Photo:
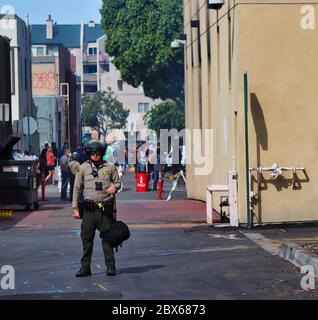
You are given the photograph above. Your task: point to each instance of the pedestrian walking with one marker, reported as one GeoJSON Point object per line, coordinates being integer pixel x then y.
{"type": "Point", "coordinates": [99, 182]}
{"type": "Point", "coordinates": [50, 160]}
{"type": "Point", "coordinates": [65, 172]}
{"type": "Point", "coordinates": [56, 152]}
{"type": "Point", "coordinates": [42, 160]}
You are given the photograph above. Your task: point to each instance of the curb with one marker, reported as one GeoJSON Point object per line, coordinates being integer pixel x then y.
{"type": "Point", "coordinates": [297, 256]}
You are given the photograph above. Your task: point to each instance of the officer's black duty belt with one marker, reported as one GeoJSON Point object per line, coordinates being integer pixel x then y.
{"type": "Point", "coordinates": [92, 206]}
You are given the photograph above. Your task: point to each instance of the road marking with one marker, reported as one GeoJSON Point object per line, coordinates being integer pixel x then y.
{"type": "Point", "coordinates": [264, 243]}
{"type": "Point", "coordinates": [101, 286]}
{"type": "Point", "coordinates": [215, 249]}
{"type": "Point", "coordinates": [225, 236]}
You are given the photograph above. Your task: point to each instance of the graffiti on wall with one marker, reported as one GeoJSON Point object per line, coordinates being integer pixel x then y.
{"type": "Point", "coordinates": [44, 80]}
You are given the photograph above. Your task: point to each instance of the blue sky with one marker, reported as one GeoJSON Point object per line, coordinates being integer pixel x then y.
{"type": "Point", "coordinates": [62, 11]}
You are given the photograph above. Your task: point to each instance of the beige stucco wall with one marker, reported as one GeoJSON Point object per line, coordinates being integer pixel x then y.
{"type": "Point", "coordinates": [265, 40]}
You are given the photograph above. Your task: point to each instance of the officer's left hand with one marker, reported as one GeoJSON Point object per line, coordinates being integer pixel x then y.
{"type": "Point", "coordinates": [111, 190]}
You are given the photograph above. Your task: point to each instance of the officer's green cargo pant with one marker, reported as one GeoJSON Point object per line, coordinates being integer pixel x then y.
{"type": "Point", "coordinates": [93, 221]}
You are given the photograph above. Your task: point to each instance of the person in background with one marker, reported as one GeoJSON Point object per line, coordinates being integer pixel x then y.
{"type": "Point", "coordinates": [152, 160]}
{"type": "Point", "coordinates": [65, 147]}
{"type": "Point", "coordinates": [158, 171]}
{"type": "Point", "coordinates": [55, 151]}
{"type": "Point", "coordinates": [42, 159]}
{"type": "Point", "coordinates": [109, 154]}
{"type": "Point", "coordinates": [50, 160]}
{"type": "Point", "coordinates": [74, 165]}
{"type": "Point", "coordinates": [65, 172]}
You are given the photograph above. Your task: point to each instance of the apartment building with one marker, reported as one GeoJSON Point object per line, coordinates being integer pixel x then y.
{"type": "Point", "coordinates": [275, 44]}
{"type": "Point", "coordinates": [56, 98]}
{"type": "Point", "coordinates": [91, 63]}
{"type": "Point", "coordinates": [18, 31]}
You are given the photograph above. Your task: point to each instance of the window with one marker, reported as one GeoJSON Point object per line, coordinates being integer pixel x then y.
{"type": "Point", "coordinates": [90, 89]}
{"type": "Point", "coordinates": [92, 51]}
{"type": "Point", "coordinates": [143, 107]}
{"type": "Point", "coordinates": [106, 67]}
{"type": "Point", "coordinates": [37, 51]}
{"type": "Point", "coordinates": [120, 85]}
{"type": "Point", "coordinates": [90, 69]}
{"type": "Point", "coordinates": [53, 51]}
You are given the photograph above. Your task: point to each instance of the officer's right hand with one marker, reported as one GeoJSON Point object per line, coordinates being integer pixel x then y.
{"type": "Point", "coordinates": [76, 214]}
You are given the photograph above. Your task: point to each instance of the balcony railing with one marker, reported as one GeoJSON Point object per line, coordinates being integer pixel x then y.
{"type": "Point", "coordinates": [89, 59]}
{"type": "Point", "coordinates": [103, 58]}
{"type": "Point", "coordinates": [90, 78]}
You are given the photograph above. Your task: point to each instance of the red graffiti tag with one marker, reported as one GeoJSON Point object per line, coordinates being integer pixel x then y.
{"type": "Point", "coordinates": [44, 80]}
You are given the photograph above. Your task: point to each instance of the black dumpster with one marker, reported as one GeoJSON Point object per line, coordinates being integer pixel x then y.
{"type": "Point", "coordinates": [17, 178]}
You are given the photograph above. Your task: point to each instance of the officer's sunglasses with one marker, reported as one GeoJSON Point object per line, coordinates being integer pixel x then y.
{"type": "Point", "coordinates": [97, 153]}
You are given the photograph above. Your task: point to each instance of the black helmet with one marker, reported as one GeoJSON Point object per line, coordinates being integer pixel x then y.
{"type": "Point", "coordinates": [76, 157]}
{"type": "Point", "coordinates": [94, 146]}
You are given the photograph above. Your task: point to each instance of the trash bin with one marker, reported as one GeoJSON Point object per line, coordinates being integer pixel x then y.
{"type": "Point", "coordinates": [142, 182]}
{"type": "Point", "coordinates": [18, 183]}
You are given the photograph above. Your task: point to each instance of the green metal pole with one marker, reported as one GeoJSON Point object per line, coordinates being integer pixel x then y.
{"type": "Point", "coordinates": [248, 198]}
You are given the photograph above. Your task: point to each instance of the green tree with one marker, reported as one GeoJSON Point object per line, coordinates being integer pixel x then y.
{"type": "Point", "coordinates": [139, 34]}
{"type": "Point", "coordinates": [166, 115]}
{"type": "Point", "coordinates": [103, 112]}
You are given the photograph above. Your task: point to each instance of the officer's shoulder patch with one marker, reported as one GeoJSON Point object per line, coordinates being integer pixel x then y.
{"type": "Point", "coordinates": [106, 171]}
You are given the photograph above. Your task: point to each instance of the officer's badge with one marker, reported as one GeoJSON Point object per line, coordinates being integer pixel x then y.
{"type": "Point", "coordinates": [106, 171]}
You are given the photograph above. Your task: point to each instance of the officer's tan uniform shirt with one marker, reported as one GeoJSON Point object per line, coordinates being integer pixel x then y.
{"type": "Point", "coordinates": [107, 175]}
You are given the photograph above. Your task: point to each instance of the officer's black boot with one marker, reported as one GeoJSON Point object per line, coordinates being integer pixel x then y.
{"type": "Point", "coordinates": [111, 271]}
{"type": "Point", "coordinates": [84, 272]}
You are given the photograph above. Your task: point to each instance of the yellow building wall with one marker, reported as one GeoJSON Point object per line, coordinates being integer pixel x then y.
{"type": "Point", "coordinates": [265, 39]}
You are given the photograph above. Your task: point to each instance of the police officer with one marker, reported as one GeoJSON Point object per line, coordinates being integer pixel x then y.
{"type": "Point", "coordinates": [98, 181]}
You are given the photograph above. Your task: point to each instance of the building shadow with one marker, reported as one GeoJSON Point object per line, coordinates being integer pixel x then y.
{"type": "Point", "coordinates": [261, 133]}
{"type": "Point", "coordinates": [260, 181]}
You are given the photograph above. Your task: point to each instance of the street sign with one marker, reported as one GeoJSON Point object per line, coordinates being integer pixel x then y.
{"type": "Point", "coordinates": [29, 125]}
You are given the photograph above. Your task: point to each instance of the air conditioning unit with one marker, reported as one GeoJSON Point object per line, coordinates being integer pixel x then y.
{"type": "Point", "coordinates": [215, 4]}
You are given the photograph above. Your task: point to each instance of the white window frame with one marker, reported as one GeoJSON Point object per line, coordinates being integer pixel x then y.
{"type": "Point", "coordinates": [143, 109]}
{"type": "Point", "coordinates": [39, 47]}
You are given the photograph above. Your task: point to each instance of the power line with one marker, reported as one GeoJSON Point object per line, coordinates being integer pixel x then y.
{"type": "Point", "coordinates": [236, 4]}
{"type": "Point", "coordinates": [194, 14]}
{"type": "Point", "coordinates": [211, 26]}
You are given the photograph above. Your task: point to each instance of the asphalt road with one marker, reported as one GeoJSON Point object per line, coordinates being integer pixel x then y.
{"type": "Point", "coordinates": [162, 260]}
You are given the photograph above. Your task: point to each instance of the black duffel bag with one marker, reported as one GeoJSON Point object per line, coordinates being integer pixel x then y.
{"type": "Point", "coordinates": [118, 233]}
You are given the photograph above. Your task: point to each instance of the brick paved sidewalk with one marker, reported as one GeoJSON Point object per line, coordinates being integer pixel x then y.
{"type": "Point", "coordinates": [182, 211]}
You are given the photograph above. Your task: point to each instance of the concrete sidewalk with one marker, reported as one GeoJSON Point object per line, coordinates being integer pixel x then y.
{"type": "Point", "coordinates": [297, 244]}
